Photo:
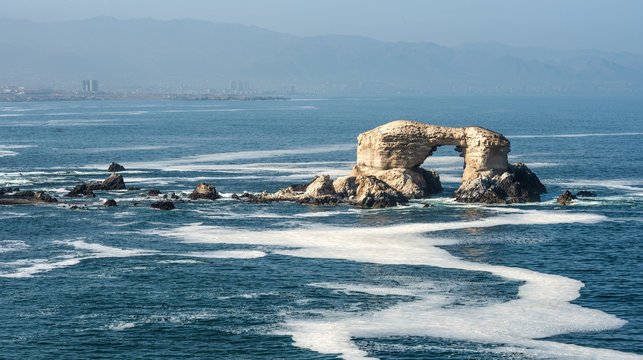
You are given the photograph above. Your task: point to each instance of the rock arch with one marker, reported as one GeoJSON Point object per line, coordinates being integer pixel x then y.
{"type": "Point", "coordinates": [394, 152]}
{"type": "Point", "coordinates": [406, 144]}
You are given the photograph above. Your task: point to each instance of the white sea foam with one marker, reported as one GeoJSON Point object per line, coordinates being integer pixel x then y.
{"type": "Point", "coordinates": [227, 254]}
{"type": "Point", "coordinates": [542, 309]}
{"type": "Point", "coordinates": [12, 245]}
{"type": "Point", "coordinates": [188, 162]}
{"type": "Point", "coordinates": [98, 250]}
{"type": "Point", "coordinates": [36, 266]}
{"type": "Point", "coordinates": [121, 325]}
{"type": "Point", "coordinates": [635, 185]}
{"type": "Point", "coordinates": [4, 153]}
{"type": "Point", "coordinates": [573, 135]}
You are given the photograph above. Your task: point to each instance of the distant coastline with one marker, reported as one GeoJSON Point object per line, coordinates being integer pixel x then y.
{"type": "Point", "coordinates": [105, 96]}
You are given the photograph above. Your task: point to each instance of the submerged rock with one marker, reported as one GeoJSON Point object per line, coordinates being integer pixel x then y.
{"type": "Point", "coordinates": [163, 205]}
{"type": "Point", "coordinates": [110, 203]}
{"type": "Point", "coordinates": [204, 191]}
{"type": "Point", "coordinates": [585, 193]}
{"type": "Point", "coordinates": [115, 167]}
{"type": "Point", "coordinates": [154, 192]}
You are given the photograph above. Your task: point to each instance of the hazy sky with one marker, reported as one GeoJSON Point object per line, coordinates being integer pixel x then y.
{"type": "Point", "coordinates": [613, 25]}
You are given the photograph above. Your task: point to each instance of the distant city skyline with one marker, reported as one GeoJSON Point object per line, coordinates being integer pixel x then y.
{"type": "Point", "coordinates": [570, 24]}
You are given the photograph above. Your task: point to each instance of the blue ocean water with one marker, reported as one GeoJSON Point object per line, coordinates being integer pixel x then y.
{"type": "Point", "coordinates": [231, 280]}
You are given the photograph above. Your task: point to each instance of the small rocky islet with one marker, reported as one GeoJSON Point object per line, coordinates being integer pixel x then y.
{"type": "Point", "coordinates": [387, 173]}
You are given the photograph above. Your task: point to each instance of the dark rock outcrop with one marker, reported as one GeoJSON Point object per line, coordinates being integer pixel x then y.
{"type": "Point", "coordinates": [163, 205]}
{"type": "Point", "coordinates": [204, 191]}
{"type": "Point", "coordinates": [516, 185]}
{"type": "Point", "coordinates": [115, 167]}
{"type": "Point", "coordinates": [42, 196]}
{"type": "Point", "coordinates": [110, 203]}
{"type": "Point", "coordinates": [565, 198]}
{"type": "Point", "coordinates": [154, 192]}
{"type": "Point", "coordinates": [113, 182]}
{"type": "Point", "coordinates": [26, 198]}
{"type": "Point", "coordinates": [8, 190]}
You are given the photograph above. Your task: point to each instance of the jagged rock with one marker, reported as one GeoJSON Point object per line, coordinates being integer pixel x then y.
{"type": "Point", "coordinates": [163, 205]}
{"type": "Point", "coordinates": [80, 190]}
{"type": "Point", "coordinates": [320, 186]}
{"type": "Point", "coordinates": [204, 191]}
{"type": "Point", "coordinates": [73, 207]}
{"type": "Point", "coordinates": [174, 196]}
{"type": "Point", "coordinates": [115, 167]}
{"type": "Point", "coordinates": [585, 193]}
{"type": "Point", "coordinates": [235, 196]}
{"type": "Point", "coordinates": [290, 193]}
{"type": "Point", "coordinates": [154, 192]}
{"type": "Point", "coordinates": [113, 182]}
{"type": "Point", "coordinates": [565, 198]}
{"type": "Point", "coordinates": [110, 203]}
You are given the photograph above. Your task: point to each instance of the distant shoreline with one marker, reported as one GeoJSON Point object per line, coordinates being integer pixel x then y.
{"type": "Point", "coordinates": [27, 97]}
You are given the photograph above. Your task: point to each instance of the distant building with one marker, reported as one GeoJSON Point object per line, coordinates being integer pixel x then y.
{"type": "Point", "coordinates": [238, 87]}
{"type": "Point", "coordinates": [90, 85]}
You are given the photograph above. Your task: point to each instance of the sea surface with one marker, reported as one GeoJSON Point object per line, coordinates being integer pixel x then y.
{"type": "Point", "coordinates": [229, 280]}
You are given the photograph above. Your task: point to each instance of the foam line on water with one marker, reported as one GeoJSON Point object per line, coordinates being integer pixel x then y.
{"type": "Point", "coordinates": [542, 309]}
{"type": "Point", "coordinates": [573, 135]}
{"type": "Point", "coordinates": [624, 184]}
{"type": "Point", "coordinates": [239, 155]}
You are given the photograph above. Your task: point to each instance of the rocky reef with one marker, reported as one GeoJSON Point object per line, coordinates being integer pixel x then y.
{"type": "Point", "coordinates": [388, 169]}
{"type": "Point", "coordinates": [362, 191]}
{"type": "Point", "coordinates": [9, 196]}
{"type": "Point", "coordinates": [113, 182]}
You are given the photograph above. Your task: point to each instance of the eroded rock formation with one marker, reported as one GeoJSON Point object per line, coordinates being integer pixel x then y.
{"type": "Point", "coordinates": [388, 169]}
{"type": "Point", "coordinates": [394, 152]}
{"type": "Point", "coordinates": [204, 191]}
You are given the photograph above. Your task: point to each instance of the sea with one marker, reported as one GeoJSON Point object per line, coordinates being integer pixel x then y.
{"type": "Point", "coordinates": [226, 279]}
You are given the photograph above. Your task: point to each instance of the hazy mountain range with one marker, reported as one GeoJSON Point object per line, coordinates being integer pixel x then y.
{"type": "Point", "coordinates": [184, 55]}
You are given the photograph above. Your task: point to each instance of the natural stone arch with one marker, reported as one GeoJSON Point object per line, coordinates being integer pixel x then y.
{"type": "Point", "coordinates": [406, 145]}
{"type": "Point", "coordinates": [388, 169]}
